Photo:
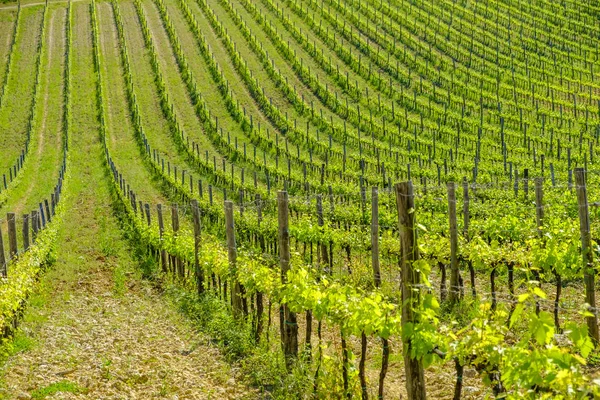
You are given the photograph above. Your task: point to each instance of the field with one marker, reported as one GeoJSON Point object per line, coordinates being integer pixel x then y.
{"type": "Point", "coordinates": [276, 199]}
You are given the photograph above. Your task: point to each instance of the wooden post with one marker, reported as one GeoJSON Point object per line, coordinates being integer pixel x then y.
{"type": "Point", "coordinates": [586, 251]}
{"type": "Point", "coordinates": [177, 264]}
{"type": "Point", "coordinates": [199, 275]}
{"type": "Point", "coordinates": [236, 299]}
{"type": "Point", "coordinates": [48, 215]}
{"type": "Point", "coordinates": [34, 225]}
{"type": "Point", "coordinates": [405, 201]}
{"type": "Point", "coordinates": [3, 268]}
{"type": "Point", "coordinates": [26, 231]}
{"type": "Point", "coordinates": [570, 180]}
{"type": "Point", "coordinates": [539, 207]}
{"type": "Point", "coordinates": [42, 223]}
{"type": "Point", "coordinates": [161, 231]}
{"type": "Point", "coordinates": [290, 328]}
{"type": "Point", "coordinates": [377, 282]}
{"type": "Point", "coordinates": [12, 235]}
{"type": "Point", "coordinates": [466, 223]}
{"type": "Point", "coordinates": [375, 236]}
{"type": "Point", "coordinates": [466, 216]}
{"type": "Point", "coordinates": [147, 209]}
{"type": "Point", "coordinates": [259, 295]}
{"type": "Point", "coordinates": [526, 182]}
{"type": "Point", "coordinates": [323, 246]}
{"type": "Point", "coordinates": [539, 216]}
{"type": "Point", "coordinates": [454, 273]}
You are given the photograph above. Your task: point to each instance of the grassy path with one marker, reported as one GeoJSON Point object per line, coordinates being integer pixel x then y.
{"type": "Point", "coordinates": [40, 173]}
{"type": "Point", "coordinates": [7, 22]}
{"type": "Point", "coordinates": [18, 93]}
{"type": "Point", "coordinates": [119, 130]}
{"type": "Point", "coordinates": [94, 329]}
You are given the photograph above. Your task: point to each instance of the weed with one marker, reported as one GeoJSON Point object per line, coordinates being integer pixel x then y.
{"type": "Point", "coordinates": [58, 387]}
{"type": "Point", "coordinates": [119, 280]}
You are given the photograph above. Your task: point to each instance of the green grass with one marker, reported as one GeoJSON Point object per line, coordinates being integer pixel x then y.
{"type": "Point", "coordinates": [58, 387]}
{"type": "Point", "coordinates": [155, 124]}
{"type": "Point", "coordinates": [7, 21]}
{"type": "Point", "coordinates": [173, 81]}
{"type": "Point", "coordinates": [197, 65]}
{"type": "Point", "coordinates": [120, 133]}
{"type": "Point", "coordinates": [16, 103]}
{"type": "Point", "coordinates": [261, 363]}
{"type": "Point", "coordinates": [236, 83]}
{"type": "Point", "coordinates": [205, 85]}
{"type": "Point", "coordinates": [40, 173]}
{"type": "Point", "coordinates": [20, 342]}
{"type": "Point", "coordinates": [365, 102]}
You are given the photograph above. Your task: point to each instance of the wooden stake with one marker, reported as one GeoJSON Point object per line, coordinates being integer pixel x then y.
{"type": "Point", "coordinates": [177, 264]}
{"type": "Point", "coordinates": [147, 209]}
{"type": "Point", "coordinates": [323, 246]}
{"type": "Point", "coordinates": [290, 328]}
{"type": "Point", "coordinates": [466, 216]}
{"type": "Point", "coordinates": [161, 231]}
{"type": "Point", "coordinates": [199, 275]}
{"type": "Point", "coordinates": [526, 182]}
{"type": "Point", "coordinates": [3, 267]}
{"type": "Point", "coordinates": [586, 251]}
{"type": "Point", "coordinates": [26, 231]}
{"type": "Point", "coordinates": [405, 201]}
{"type": "Point", "coordinates": [539, 207]}
{"type": "Point", "coordinates": [34, 225]}
{"type": "Point", "coordinates": [236, 299]}
{"type": "Point", "coordinates": [375, 236]}
{"type": "Point", "coordinates": [12, 235]}
{"type": "Point", "coordinates": [454, 273]}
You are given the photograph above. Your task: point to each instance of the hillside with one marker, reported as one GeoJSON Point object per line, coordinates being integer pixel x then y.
{"type": "Point", "coordinates": [299, 199]}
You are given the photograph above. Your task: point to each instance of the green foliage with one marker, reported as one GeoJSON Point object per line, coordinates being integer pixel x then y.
{"type": "Point", "coordinates": [527, 364]}
{"type": "Point", "coordinates": [22, 274]}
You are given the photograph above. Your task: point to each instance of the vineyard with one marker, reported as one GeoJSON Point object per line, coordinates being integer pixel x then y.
{"type": "Point", "coordinates": [350, 198]}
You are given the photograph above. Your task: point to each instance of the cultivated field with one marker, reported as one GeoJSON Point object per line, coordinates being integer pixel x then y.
{"type": "Point", "coordinates": [299, 199]}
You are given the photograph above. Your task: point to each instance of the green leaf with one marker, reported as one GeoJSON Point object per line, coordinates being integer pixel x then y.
{"type": "Point", "coordinates": [539, 292]}
{"type": "Point", "coordinates": [542, 327]}
{"type": "Point", "coordinates": [523, 297]}
{"type": "Point", "coordinates": [516, 314]}
{"type": "Point", "coordinates": [407, 330]}
{"type": "Point", "coordinates": [579, 336]}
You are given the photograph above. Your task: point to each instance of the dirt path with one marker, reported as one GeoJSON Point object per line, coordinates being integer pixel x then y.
{"type": "Point", "coordinates": [106, 333]}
